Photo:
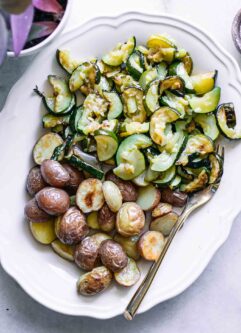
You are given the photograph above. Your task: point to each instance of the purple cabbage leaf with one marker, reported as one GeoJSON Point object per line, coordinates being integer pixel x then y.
{"type": "Point", "coordinates": [20, 26]}
{"type": "Point", "coordinates": [50, 6]}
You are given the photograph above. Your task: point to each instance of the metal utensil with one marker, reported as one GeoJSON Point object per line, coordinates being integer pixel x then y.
{"type": "Point", "coordinates": [196, 200]}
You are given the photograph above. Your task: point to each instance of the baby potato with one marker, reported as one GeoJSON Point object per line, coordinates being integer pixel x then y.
{"type": "Point", "coordinates": [175, 198]}
{"type": "Point", "coordinates": [161, 209]}
{"type": "Point", "coordinates": [127, 188]}
{"type": "Point", "coordinates": [129, 245]}
{"type": "Point", "coordinates": [112, 195]}
{"type": "Point", "coordinates": [86, 253]}
{"type": "Point", "coordinates": [93, 282]}
{"type": "Point", "coordinates": [150, 245]}
{"type": "Point", "coordinates": [99, 237]}
{"type": "Point", "coordinates": [164, 223]}
{"type": "Point", "coordinates": [63, 250]}
{"type": "Point", "coordinates": [148, 197]}
{"type": "Point", "coordinates": [71, 227]}
{"type": "Point", "coordinates": [53, 201]}
{"type": "Point", "coordinates": [112, 255]}
{"type": "Point", "coordinates": [106, 219]}
{"type": "Point", "coordinates": [54, 173]}
{"type": "Point", "coordinates": [35, 181]}
{"type": "Point", "coordinates": [129, 275]}
{"type": "Point", "coordinates": [130, 219]}
{"type": "Point", "coordinates": [43, 232]}
{"type": "Point", "coordinates": [89, 196]}
{"type": "Point", "coordinates": [92, 220]}
{"type": "Point", "coordinates": [34, 213]}
{"type": "Point", "coordinates": [76, 177]}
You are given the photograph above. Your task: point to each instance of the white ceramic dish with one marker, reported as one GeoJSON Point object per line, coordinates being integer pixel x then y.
{"type": "Point", "coordinates": [42, 274]}
{"type": "Point", "coordinates": [46, 41]}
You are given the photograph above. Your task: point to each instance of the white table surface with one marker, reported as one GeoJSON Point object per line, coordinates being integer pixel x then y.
{"type": "Point", "coordinates": [213, 303]}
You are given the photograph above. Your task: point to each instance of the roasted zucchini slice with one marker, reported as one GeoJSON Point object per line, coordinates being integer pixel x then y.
{"type": "Point", "coordinates": [84, 77]}
{"type": "Point", "coordinates": [226, 120]}
{"type": "Point", "coordinates": [151, 97]}
{"type": "Point", "coordinates": [208, 124]}
{"type": "Point", "coordinates": [203, 83]}
{"type": "Point", "coordinates": [166, 159]}
{"type": "Point", "coordinates": [107, 144]}
{"type": "Point", "coordinates": [165, 178]}
{"type": "Point", "coordinates": [173, 83]}
{"type": "Point", "coordinates": [115, 105]}
{"type": "Point", "coordinates": [197, 145]}
{"type": "Point", "coordinates": [216, 167]}
{"type": "Point", "coordinates": [134, 127]}
{"type": "Point", "coordinates": [62, 101]}
{"type": "Point", "coordinates": [197, 184]}
{"type": "Point", "coordinates": [130, 161]}
{"type": "Point", "coordinates": [206, 103]}
{"type": "Point", "coordinates": [120, 53]}
{"type": "Point", "coordinates": [66, 61]}
{"type": "Point", "coordinates": [133, 104]}
{"type": "Point", "coordinates": [51, 121]}
{"type": "Point", "coordinates": [159, 72]}
{"type": "Point", "coordinates": [174, 102]}
{"type": "Point", "coordinates": [159, 124]}
{"type": "Point", "coordinates": [135, 65]}
{"type": "Point", "coordinates": [160, 41]}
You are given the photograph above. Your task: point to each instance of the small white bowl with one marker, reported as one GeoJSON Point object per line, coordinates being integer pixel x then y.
{"type": "Point", "coordinates": [46, 41]}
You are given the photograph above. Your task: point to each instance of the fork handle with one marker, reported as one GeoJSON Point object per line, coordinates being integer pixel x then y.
{"type": "Point", "coordinates": [140, 293]}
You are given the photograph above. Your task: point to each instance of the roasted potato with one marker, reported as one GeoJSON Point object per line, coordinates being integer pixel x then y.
{"type": "Point", "coordinates": [71, 227]}
{"type": "Point", "coordinates": [93, 282]}
{"type": "Point", "coordinates": [92, 220]}
{"type": "Point", "coordinates": [106, 219]}
{"type": "Point", "coordinates": [99, 237]}
{"type": "Point", "coordinates": [129, 275]}
{"type": "Point", "coordinates": [112, 255]}
{"type": "Point", "coordinates": [129, 245]}
{"type": "Point", "coordinates": [161, 209]}
{"type": "Point", "coordinates": [148, 197]}
{"type": "Point", "coordinates": [112, 195]}
{"type": "Point", "coordinates": [43, 232]}
{"type": "Point", "coordinates": [164, 223]}
{"type": "Point", "coordinates": [76, 177]}
{"type": "Point", "coordinates": [34, 213]}
{"type": "Point", "coordinates": [150, 245]}
{"type": "Point", "coordinates": [53, 201]}
{"type": "Point", "coordinates": [175, 198]}
{"type": "Point", "coordinates": [89, 196]}
{"type": "Point", "coordinates": [63, 250]}
{"type": "Point", "coordinates": [54, 173]}
{"type": "Point", "coordinates": [86, 254]}
{"type": "Point", "coordinates": [130, 219]}
{"type": "Point", "coordinates": [35, 181]}
{"type": "Point", "coordinates": [127, 188]}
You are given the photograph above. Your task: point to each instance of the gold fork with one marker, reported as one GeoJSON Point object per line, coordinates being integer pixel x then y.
{"type": "Point", "coordinates": [196, 200]}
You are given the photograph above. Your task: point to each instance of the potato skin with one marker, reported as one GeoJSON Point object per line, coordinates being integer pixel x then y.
{"type": "Point", "coordinates": [53, 201]}
{"type": "Point", "coordinates": [86, 254]}
{"type": "Point", "coordinates": [112, 255]}
{"type": "Point", "coordinates": [175, 198]}
{"type": "Point", "coordinates": [106, 219]}
{"type": "Point", "coordinates": [54, 173]}
{"type": "Point", "coordinates": [94, 282]}
{"type": "Point", "coordinates": [76, 177]}
{"type": "Point", "coordinates": [71, 227]}
{"type": "Point", "coordinates": [35, 181]}
{"type": "Point", "coordinates": [127, 188]}
{"type": "Point", "coordinates": [130, 219]}
{"type": "Point", "coordinates": [34, 213]}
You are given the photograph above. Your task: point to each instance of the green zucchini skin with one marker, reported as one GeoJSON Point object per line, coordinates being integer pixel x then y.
{"type": "Point", "coordinates": [81, 165]}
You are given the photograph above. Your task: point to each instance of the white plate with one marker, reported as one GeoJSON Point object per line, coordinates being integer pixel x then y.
{"type": "Point", "coordinates": [42, 274]}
